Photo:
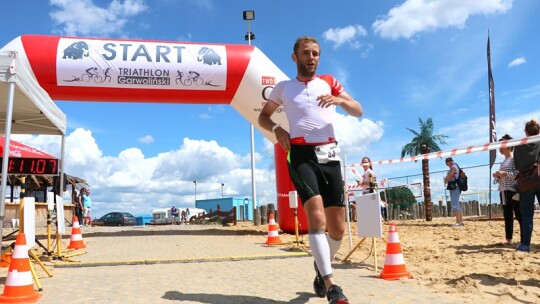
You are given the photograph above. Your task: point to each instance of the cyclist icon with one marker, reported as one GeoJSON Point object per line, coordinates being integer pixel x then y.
{"type": "Point", "coordinates": [192, 78]}
{"type": "Point", "coordinates": [92, 74]}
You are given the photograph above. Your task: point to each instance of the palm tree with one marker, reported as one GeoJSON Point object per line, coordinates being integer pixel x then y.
{"type": "Point", "coordinates": [424, 142]}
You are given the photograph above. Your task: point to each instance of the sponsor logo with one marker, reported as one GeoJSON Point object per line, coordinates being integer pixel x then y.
{"type": "Point", "coordinates": [76, 50]}
{"type": "Point", "coordinates": [208, 56]}
{"type": "Point", "coordinates": [268, 80]}
{"type": "Point", "coordinates": [266, 92]}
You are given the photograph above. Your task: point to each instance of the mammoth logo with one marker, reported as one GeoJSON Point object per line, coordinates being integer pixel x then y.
{"type": "Point", "coordinates": [208, 56]}
{"type": "Point", "coordinates": [76, 50]}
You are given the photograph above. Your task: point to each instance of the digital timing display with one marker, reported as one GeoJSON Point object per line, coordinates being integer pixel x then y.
{"type": "Point", "coordinates": [46, 166]}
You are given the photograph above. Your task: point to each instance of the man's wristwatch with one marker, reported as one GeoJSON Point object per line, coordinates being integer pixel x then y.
{"type": "Point", "coordinates": [275, 127]}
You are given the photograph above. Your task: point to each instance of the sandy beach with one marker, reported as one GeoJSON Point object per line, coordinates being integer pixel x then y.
{"type": "Point", "coordinates": [215, 264]}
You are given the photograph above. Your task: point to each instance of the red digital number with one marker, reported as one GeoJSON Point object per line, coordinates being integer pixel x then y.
{"type": "Point", "coordinates": [53, 169]}
{"type": "Point", "coordinates": [11, 165]}
{"type": "Point", "coordinates": [40, 166]}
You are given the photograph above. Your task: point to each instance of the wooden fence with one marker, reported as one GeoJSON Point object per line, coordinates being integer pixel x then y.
{"type": "Point", "coordinates": [418, 211]}
{"type": "Point", "coordinates": [218, 216]}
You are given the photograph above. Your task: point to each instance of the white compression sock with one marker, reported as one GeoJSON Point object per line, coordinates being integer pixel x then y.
{"type": "Point", "coordinates": [321, 252]}
{"type": "Point", "coordinates": [334, 246]}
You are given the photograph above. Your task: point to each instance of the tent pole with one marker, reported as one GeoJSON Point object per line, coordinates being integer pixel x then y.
{"type": "Point", "coordinates": [62, 175]}
{"type": "Point", "coordinates": [5, 155]}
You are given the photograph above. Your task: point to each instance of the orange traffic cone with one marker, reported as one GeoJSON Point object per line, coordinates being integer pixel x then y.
{"type": "Point", "coordinates": [76, 241]}
{"type": "Point", "coordinates": [273, 235]}
{"type": "Point", "coordinates": [394, 263]}
{"type": "Point", "coordinates": [19, 286]}
{"type": "Point", "coordinates": [5, 259]}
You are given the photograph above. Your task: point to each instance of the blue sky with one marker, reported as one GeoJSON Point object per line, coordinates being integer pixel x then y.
{"type": "Point", "coordinates": [402, 60]}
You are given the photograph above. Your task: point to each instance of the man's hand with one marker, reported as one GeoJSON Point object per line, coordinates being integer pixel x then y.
{"type": "Point", "coordinates": [283, 138]}
{"type": "Point", "coordinates": [327, 100]}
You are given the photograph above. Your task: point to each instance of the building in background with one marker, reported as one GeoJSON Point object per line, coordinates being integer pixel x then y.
{"type": "Point", "coordinates": [243, 205]}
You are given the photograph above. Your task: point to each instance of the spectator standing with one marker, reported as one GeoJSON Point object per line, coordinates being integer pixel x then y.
{"type": "Point", "coordinates": [87, 205]}
{"type": "Point", "coordinates": [524, 157]}
{"type": "Point", "coordinates": [352, 207]}
{"type": "Point", "coordinates": [187, 215]}
{"type": "Point", "coordinates": [369, 179]}
{"type": "Point", "coordinates": [369, 183]}
{"type": "Point", "coordinates": [384, 210]}
{"type": "Point", "coordinates": [506, 178]}
{"type": "Point", "coordinates": [81, 203]}
{"type": "Point", "coordinates": [183, 218]}
{"type": "Point", "coordinates": [78, 206]}
{"type": "Point", "coordinates": [174, 214]}
{"type": "Point", "coordinates": [455, 191]}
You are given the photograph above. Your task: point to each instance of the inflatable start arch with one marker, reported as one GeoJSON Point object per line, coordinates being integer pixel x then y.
{"type": "Point", "coordinates": [96, 69]}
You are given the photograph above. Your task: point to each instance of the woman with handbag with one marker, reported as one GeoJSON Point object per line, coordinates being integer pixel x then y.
{"type": "Point", "coordinates": [525, 157]}
{"type": "Point", "coordinates": [506, 178]}
{"type": "Point", "coordinates": [455, 192]}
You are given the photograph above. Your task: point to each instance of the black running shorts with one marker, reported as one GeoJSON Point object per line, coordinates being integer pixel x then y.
{"type": "Point", "coordinates": [311, 178]}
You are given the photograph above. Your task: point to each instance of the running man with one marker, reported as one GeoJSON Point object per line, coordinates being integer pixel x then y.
{"type": "Point", "coordinates": [309, 102]}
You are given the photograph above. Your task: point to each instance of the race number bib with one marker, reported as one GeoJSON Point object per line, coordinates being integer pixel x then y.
{"type": "Point", "coordinates": [327, 153]}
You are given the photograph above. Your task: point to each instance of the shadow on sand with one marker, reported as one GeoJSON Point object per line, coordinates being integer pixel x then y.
{"type": "Point", "coordinates": [220, 298]}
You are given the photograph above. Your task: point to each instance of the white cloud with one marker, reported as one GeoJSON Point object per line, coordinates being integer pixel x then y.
{"type": "Point", "coordinates": [348, 34]}
{"type": "Point", "coordinates": [416, 16]}
{"type": "Point", "coordinates": [83, 17]}
{"type": "Point", "coordinates": [147, 139]}
{"type": "Point", "coordinates": [138, 184]}
{"type": "Point", "coordinates": [82, 150]}
{"type": "Point", "coordinates": [355, 135]}
{"type": "Point", "coordinates": [517, 61]}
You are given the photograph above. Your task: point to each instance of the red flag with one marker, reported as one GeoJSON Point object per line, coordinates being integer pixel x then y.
{"type": "Point", "coordinates": [492, 125]}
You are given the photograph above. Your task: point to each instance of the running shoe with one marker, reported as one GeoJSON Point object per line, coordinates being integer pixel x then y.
{"type": "Point", "coordinates": [523, 248]}
{"type": "Point", "coordinates": [318, 283]}
{"type": "Point", "coordinates": [335, 295]}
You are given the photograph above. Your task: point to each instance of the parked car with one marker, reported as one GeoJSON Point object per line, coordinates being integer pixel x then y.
{"type": "Point", "coordinates": [116, 219]}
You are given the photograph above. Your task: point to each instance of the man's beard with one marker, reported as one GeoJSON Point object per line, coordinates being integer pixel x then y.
{"type": "Point", "coordinates": [304, 70]}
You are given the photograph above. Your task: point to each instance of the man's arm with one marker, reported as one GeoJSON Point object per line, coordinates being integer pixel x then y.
{"type": "Point", "coordinates": [264, 117]}
{"type": "Point", "coordinates": [450, 175]}
{"type": "Point", "coordinates": [351, 106]}
{"type": "Point", "coordinates": [266, 122]}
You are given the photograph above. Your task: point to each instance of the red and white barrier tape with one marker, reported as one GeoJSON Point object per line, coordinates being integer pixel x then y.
{"type": "Point", "coordinates": [432, 187]}
{"type": "Point", "coordinates": [471, 149]}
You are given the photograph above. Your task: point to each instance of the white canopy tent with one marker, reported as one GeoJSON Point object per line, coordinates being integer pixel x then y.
{"type": "Point", "coordinates": [33, 110]}
{"type": "Point", "coordinates": [25, 108]}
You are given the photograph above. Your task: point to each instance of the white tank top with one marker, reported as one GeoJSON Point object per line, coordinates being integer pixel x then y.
{"type": "Point", "coordinates": [306, 118]}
